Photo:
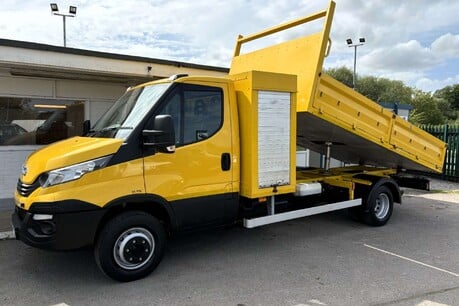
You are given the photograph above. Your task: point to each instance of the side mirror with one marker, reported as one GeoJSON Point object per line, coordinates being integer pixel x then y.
{"type": "Point", "coordinates": [86, 127]}
{"type": "Point", "coordinates": [162, 137]}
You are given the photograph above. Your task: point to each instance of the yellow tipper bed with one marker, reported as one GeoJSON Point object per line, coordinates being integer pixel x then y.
{"type": "Point", "coordinates": [362, 132]}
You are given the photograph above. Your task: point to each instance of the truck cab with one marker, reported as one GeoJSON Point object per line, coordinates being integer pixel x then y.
{"type": "Point", "coordinates": [169, 147]}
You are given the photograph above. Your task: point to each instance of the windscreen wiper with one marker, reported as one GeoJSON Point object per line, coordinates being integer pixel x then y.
{"type": "Point", "coordinates": [111, 128]}
{"type": "Point", "coordinates": [115, 128]}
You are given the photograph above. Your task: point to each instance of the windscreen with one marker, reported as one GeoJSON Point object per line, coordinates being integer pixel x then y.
{"type": "Point", "coordinates": [128, 111]}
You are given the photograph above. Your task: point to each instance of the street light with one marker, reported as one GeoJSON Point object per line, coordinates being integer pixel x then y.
{"type": "Point", "coordinates": [71, 13]}
{"type": "Point", "coordinates": [350, 44]}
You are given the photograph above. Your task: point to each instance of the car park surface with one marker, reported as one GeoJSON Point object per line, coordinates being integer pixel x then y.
{"type": "Point", "coordinates": [321, 260]}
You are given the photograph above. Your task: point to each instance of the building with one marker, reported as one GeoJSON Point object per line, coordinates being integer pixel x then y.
{"type": "Point", "coordinates": [403, 110]}
{"type": "Point", "coordinates": [46, 92]}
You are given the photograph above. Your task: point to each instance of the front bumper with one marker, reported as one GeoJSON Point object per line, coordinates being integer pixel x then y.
{"type": "Point", "coordinates": [65, 231]}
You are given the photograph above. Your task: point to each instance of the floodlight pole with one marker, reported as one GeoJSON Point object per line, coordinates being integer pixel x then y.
{"type": "Point", "coordinates": [350, 44]}
{"type": "Point", "coordinates": [65, 36]}
{"type": "Point", "coordinates": [72, 13]}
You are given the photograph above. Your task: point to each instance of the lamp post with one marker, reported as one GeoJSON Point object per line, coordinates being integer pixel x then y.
{"type": "Point", "coordinates": [71, 13]}
{"type": "Point", "coordinates": [350, 44]}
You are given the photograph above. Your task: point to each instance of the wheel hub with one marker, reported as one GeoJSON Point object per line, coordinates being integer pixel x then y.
{"type": "Point", "coordinates": [382, 206]}
{"type": "Point", "coordinates": [133, 248]}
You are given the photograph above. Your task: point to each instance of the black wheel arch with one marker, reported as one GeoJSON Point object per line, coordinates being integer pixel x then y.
{"type": "Point", "coordinates": [155, 205]}
{"type": "Point", "coordinates": [365, 191]}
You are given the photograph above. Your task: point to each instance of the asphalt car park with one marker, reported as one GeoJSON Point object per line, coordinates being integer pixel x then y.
{"type": "Point", "coordinates": [321, 260]}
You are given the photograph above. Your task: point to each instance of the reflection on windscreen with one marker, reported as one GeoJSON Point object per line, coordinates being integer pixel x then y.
{"type": "Point", "coordinates": [128, 111]}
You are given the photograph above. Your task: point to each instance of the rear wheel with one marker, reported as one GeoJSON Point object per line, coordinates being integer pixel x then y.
{"type": "Point", "coordinates": [379, 206]}
{"type": "Point", "coordinates": [130, 246]}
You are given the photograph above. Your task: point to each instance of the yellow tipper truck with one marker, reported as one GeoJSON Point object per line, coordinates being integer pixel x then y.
{"type": "Point", "coordinates": [190, 152]}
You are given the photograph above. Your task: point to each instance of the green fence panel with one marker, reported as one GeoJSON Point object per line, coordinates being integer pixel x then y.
{"type": "Point", "coordinates": [450, 135]}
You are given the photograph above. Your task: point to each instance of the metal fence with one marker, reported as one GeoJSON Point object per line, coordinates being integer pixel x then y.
{"type": "Point", "coordinates": [450, 135]}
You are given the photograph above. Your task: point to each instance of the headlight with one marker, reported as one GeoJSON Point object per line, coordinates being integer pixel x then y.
{"type": "Point", "coordinates": [73, 172]}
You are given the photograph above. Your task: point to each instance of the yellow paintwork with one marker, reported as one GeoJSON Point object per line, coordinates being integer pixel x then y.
{"type": "Point", "coordinates": [194, 170]}
{"type": "Point", "coordinates": [302, 57]}
{"type": "Point", "coordinates": [329, 111]}
{"type": "Point", "coordinates": [349, 184]}
{"type": "Point", "coordinates": [68, 152]}
{"type": "Point", "coordinates": [160, 81]}
{"type": "Point", "coordinates": [342, 106]}
{"type": "Point", "coordinates": [318, 175]}
{"type": "Point", "coordinates": [343, 176]}
{"type": "Point", "coordinates": [247, 86]}
{"type": "Point", "coordinates": [98, 187]}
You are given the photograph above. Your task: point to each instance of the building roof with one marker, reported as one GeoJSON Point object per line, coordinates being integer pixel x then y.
{"type": "Point", "coordinates": [45, 47]}
{"type": "Point", "coordinates": [21, 58]}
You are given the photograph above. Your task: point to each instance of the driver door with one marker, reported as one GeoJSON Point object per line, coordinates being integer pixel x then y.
{"type": "Point", "coordinates": [197, 179]}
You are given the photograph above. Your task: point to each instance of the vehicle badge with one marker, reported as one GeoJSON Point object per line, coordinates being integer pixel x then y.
{"type": "Point", "coordinates": [24, 170]}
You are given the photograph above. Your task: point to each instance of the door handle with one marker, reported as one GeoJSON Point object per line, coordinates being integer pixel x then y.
{"type": "Point", "coordinates": [226, 161]}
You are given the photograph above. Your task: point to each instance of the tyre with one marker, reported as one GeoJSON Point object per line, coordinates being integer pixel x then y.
{"type": "Point", "coordinates": [379, 206]}
{"type": "Point", "coordinates": [130, 246]}
{"type": "Point", "coordinates": [355, 213]}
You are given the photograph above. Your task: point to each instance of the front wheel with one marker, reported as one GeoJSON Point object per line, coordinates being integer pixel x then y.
{"type": "Point", "coordinates": [380, 204]}
{"type": "Point", "coordinates": [130, 246]}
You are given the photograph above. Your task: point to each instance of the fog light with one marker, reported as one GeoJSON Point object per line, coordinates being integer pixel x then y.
{"type": "Point", "coordinates": [42, 217]}
{"type": "Point", "coordinates": [47, 227]}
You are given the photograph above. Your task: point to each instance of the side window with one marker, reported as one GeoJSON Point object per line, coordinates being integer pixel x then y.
{"type": "Point", "coordinates": [197, 112]}
{"type": "Point", "coordinates": [203, 114]}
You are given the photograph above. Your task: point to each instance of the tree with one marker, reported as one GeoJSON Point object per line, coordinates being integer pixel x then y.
{"type": "Point", "coordinates": [342, 74]}
{"type": "Point", "coordinates": [450, 94]}
{"type": "Point", "coordinates": [384, 90]}
{"type": "Point", "coordinates": [376, 89]}
{"type": "Point", "coordinates": [371, 87]}
{"type": "Point", "coordinates": [395, 91]}
{"type": "Point", "coordinates": [448, 101]}
{"type": "Point", "coordinates": [425, 109]}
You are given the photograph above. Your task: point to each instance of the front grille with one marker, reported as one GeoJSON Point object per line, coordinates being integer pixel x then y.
{"type": "Point", "coordinates": [25, 190]}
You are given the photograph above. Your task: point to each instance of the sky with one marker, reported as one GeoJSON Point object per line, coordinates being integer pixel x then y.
{"type": "Point", "coordinates": [415, 41]}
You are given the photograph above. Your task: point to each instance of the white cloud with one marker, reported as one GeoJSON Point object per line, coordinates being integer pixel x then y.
{"type": "Point", "coordinates": [428, 84]}
{"type": "Point", "coordinates": [401, 57]}
{"type": "Point", "coordinates": [446, 46]}
{"type": "Point", "coordinates": [405, 40]}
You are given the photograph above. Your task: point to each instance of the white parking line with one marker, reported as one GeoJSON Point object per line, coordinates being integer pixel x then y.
{"type": "Point", "coordinates": [412, 260]}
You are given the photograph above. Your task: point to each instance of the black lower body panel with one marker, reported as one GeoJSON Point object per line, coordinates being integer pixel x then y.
{"type": "Point", "coordinates": [65, 231]}
{"type": "Point", "coordinates": [206, 211]}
